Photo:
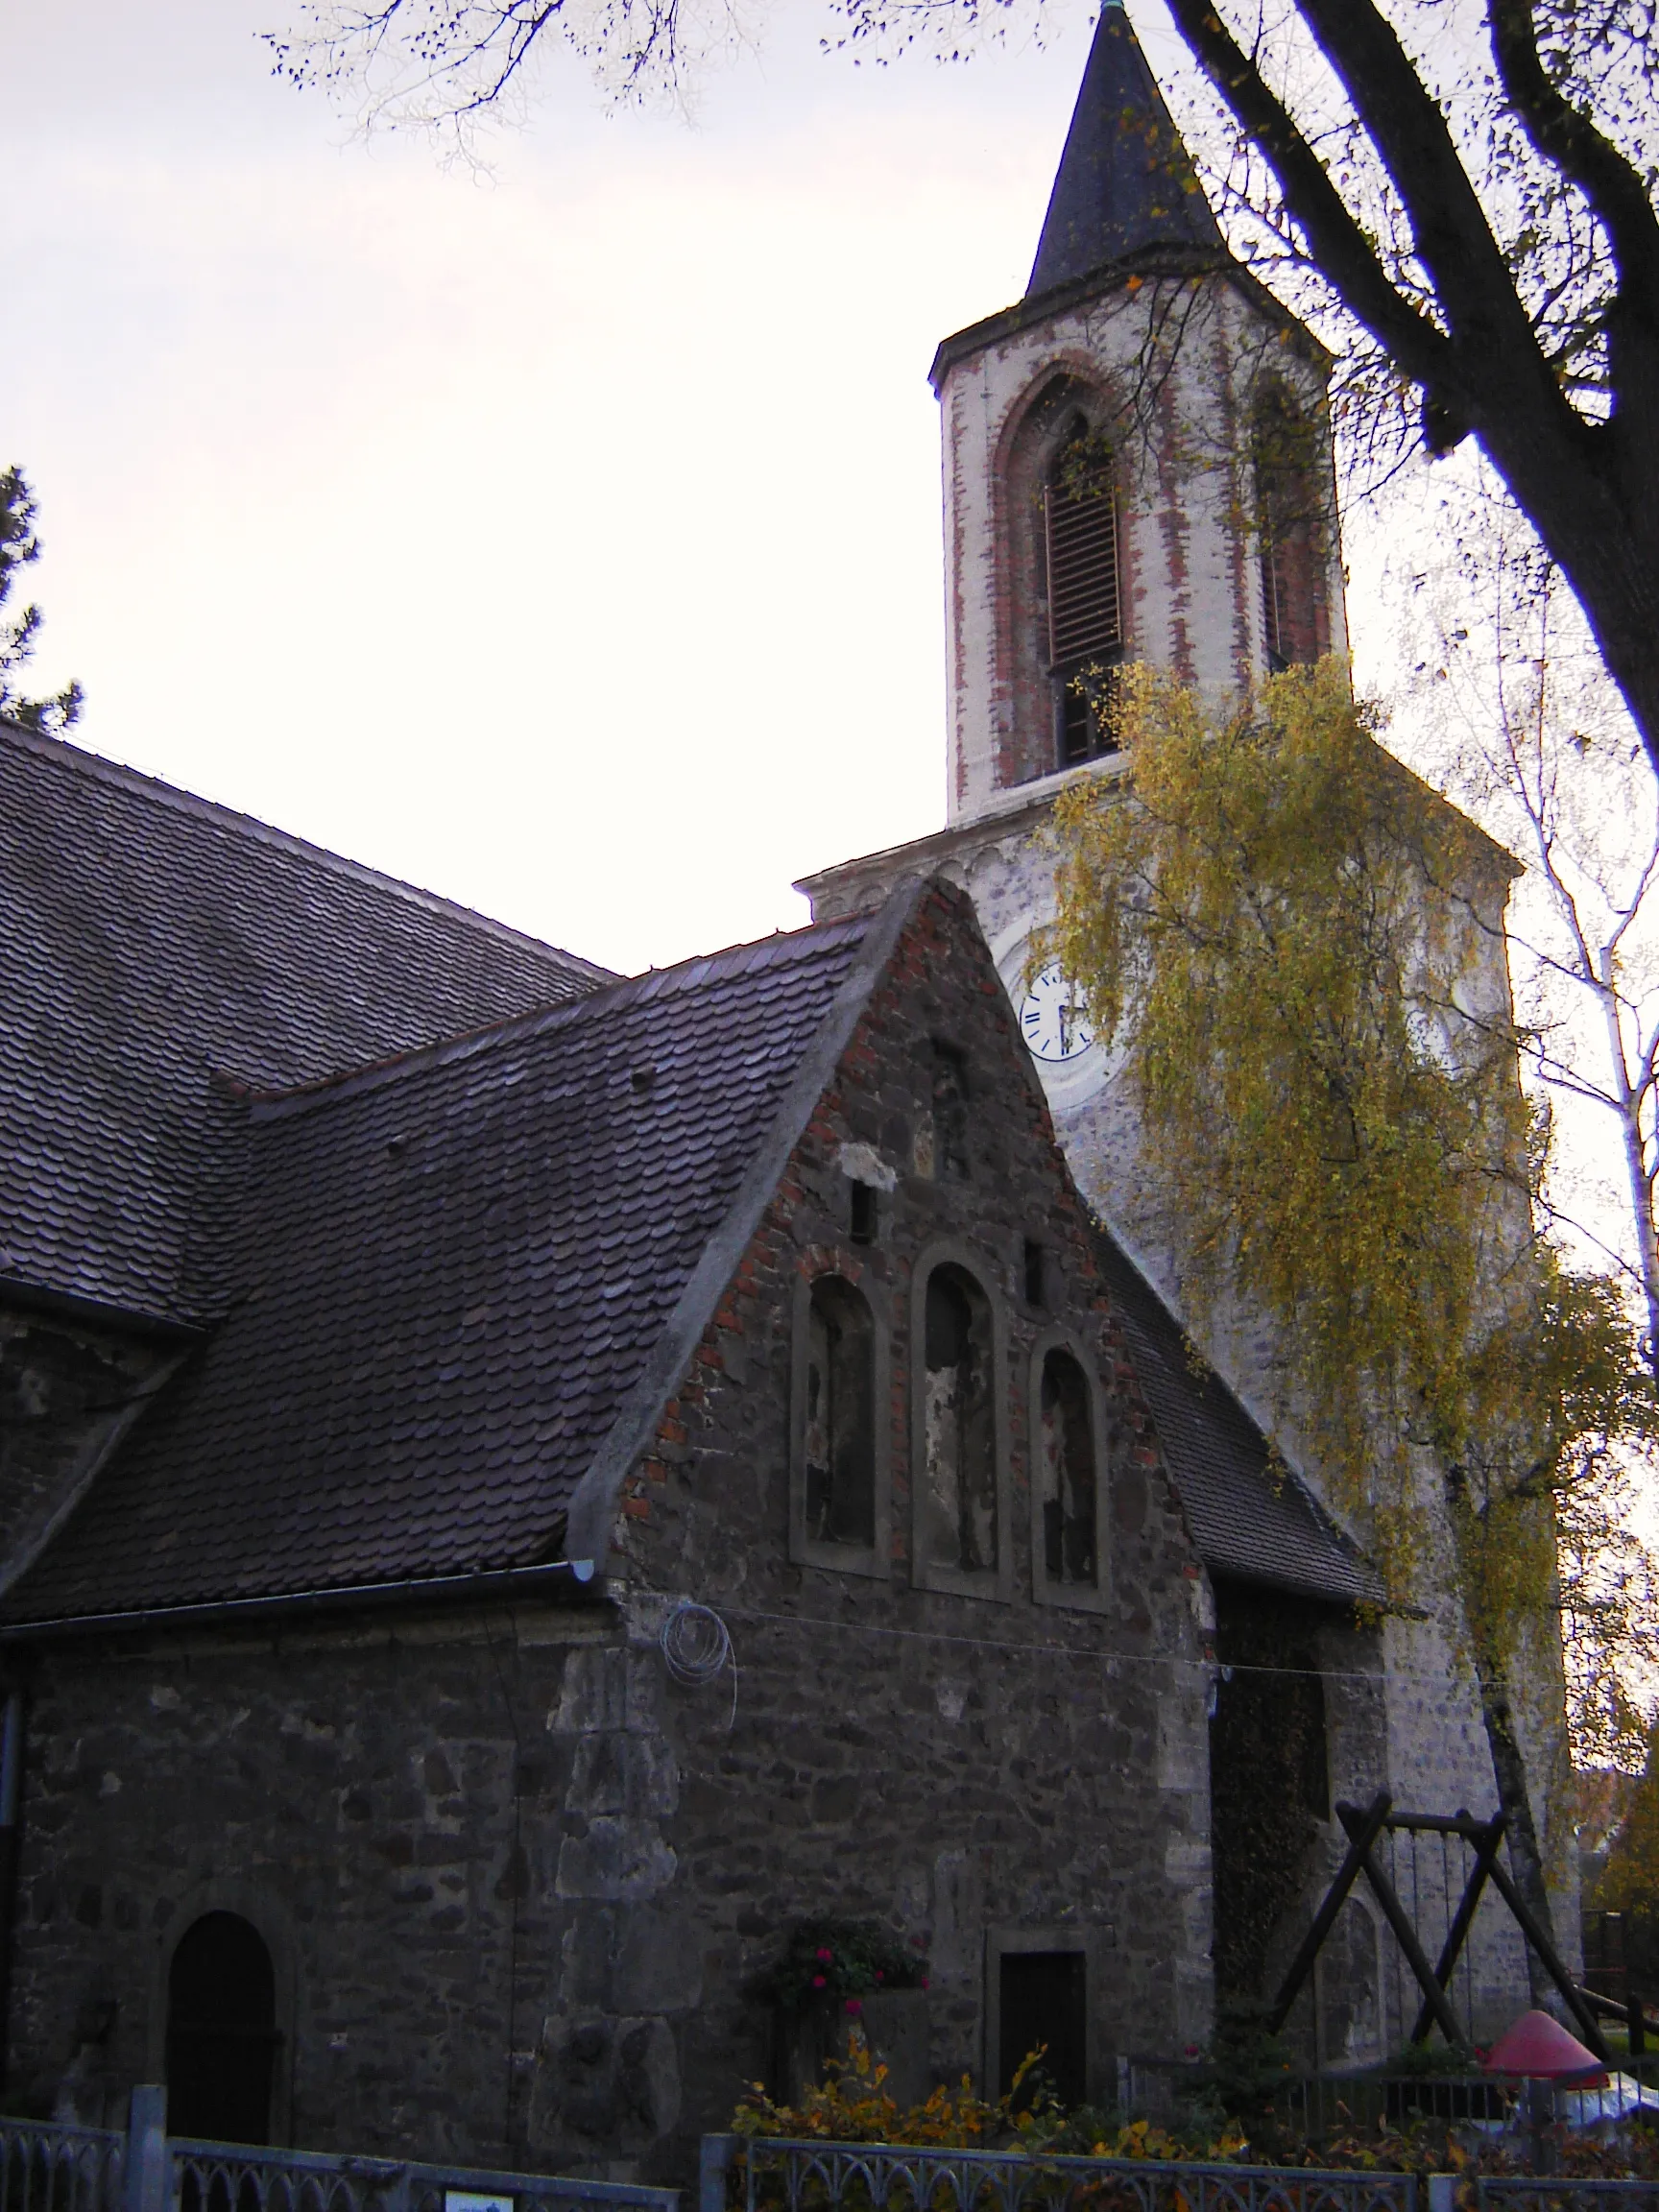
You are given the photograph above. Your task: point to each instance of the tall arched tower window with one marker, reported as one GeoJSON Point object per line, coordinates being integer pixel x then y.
{"type": "Point", "coordinates": [1085, 609]}
{"type": "Point", "coordinates": [1290, 524]}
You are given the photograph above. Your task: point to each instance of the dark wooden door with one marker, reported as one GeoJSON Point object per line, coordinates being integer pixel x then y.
{"type": "Point", "coordinates": [1044, 2001]}
{"type": "Point", "coordinates": [220, 2032]}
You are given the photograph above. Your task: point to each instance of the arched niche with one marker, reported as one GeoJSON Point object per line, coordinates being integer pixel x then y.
{"type": "Point", "coordinates": [959, 1480]}
{"type": "Point", "coordinates": [257, 1908]}
{"type": "Point", "coordinates": [1071, 1493]}
{"type": "Point", "coordinates": [840, 1512]}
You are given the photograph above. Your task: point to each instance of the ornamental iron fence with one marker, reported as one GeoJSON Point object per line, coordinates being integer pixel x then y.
{"type": "Point", "coordinates": [1315, 2107]}
{"type": "Point", "coordinates": [49, 2167]}
{"type": "Point", "coordinates": [1542, 2193]}
{"type": "Point", "coordinates": [776, 2175]}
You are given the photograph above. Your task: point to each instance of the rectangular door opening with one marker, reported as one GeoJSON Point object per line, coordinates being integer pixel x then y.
{"type": "Point", "coordinates": [1044, 2000]}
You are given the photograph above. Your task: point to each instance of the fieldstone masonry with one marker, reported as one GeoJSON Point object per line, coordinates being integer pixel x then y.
{"type": "Point", "coordinates": [523, 1888]}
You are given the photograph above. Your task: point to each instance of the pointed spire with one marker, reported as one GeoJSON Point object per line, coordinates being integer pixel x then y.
{"type": "Point", "coordinates": [1125, 180]}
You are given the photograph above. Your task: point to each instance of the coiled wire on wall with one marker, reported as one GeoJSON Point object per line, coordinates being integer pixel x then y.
{"type": "Point", "coordinates": [696, 1645]}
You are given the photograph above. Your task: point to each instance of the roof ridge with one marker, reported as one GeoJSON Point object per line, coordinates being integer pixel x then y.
{"type": "Point", "coordinates": [78, 761]}
{"type": "Point", "coordinates": [655, 982]}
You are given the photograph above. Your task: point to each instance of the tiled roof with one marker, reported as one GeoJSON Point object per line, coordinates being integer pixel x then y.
{"type": "Point", "coordinates": [149, 939]}
{"type": "Point", "coordinates": [450, 1275]}
{"type": "Point", "coordinates": [1250, 1517]}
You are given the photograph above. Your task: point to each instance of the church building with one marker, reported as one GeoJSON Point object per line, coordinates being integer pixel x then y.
{"type": "Point", "coordinates": [522, 1489]}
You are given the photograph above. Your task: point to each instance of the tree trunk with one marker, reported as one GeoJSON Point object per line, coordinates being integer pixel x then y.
{"type": "Point", "coordinates": [1629, 1099]}
{"type": "Point", "coordinates": [1605, 541]}
{"type": "Point", "coordinates": [1509, 1772]}
{"type": "Point", "coordinates": [1590, 488]}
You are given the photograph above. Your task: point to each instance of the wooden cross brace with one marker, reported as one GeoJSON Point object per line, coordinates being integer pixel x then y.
{"type": "Point", "coordinates": [1363, 1827]}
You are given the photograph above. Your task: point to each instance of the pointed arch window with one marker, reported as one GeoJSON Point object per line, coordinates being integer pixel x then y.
{"type": "Point", "coordinates": [1083, 575]}
{"type": "Point", "coordinates": [1290, 524]}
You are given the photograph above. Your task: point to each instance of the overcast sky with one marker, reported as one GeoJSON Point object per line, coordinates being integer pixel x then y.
{"type": "Point", "coordinates": [566, 540]}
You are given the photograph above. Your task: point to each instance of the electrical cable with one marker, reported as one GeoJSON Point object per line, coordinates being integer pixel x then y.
{"type": "Point", "coordinates": [1375, 1678]}
{"type": "Point", "coordinates": [696, 1646]}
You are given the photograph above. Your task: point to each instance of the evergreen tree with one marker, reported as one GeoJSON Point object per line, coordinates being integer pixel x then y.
{"type": "Point", "coordinates": [18, 546]}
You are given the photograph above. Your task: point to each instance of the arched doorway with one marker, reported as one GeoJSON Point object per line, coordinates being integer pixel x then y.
{"type": "Point", "coordinates": [222, 2033]}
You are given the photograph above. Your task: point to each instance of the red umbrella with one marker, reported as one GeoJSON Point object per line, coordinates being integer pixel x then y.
{"type": "Point", "coordinates": [1541, 2050]}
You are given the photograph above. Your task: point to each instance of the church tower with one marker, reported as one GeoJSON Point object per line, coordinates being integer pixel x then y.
{"type": "Point", "coordinates": [1134, 459]}
{"type": "Point", "coordinates": [1136, 468]}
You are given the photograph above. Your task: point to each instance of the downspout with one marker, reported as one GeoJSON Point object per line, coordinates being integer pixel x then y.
{"type": "Point", "coordinates": [10, 1850]}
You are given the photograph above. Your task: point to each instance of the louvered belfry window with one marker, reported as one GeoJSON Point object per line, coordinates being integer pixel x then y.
{"type": "Point", "coordinates": [1290, 533]}
{"type": "Point", "coordinates": [1080, 531]}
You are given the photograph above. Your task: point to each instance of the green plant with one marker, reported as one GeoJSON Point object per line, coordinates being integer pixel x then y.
{"type": "Point", "coordinates": [850, 1959]}
{"type": "Point", "coordinates": [852, 2106]}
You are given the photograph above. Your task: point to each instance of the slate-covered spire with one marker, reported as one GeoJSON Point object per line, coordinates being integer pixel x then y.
{"type": "Point", "coordinates": [1125, 180]}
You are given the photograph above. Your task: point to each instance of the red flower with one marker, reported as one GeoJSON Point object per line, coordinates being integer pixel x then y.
{"type": "Point", "coordinates": [924, 1982]}
{"type": "Point", "coordinates": [878, 1975]}
{"type": "Point", "coordinates": [855, 2005]}
{"type": "Point", "coordinates": [825, 1952]}
{"type": "Point", "coordinates": [817, 1981]}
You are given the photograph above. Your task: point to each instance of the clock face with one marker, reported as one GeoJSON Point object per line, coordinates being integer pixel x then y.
{"type": "Point", "coordinates": [1051, 1019]}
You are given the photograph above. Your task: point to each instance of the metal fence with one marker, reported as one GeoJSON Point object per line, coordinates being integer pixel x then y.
{"type": "Point", "coordinates": [1530, 2193]}
{"type": "Point", "coordinates": [776, 2175]}
{"type": "Point", "coordinates": [222, 2178]}
{"type": "Point", "coordinates": [45, 2167]}
{"type": "Point", "coordinates": [1315, 2107]}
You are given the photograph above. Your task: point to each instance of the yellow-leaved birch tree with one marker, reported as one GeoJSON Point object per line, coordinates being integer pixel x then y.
{"type": "Point", "coordinates": [1274, 919]}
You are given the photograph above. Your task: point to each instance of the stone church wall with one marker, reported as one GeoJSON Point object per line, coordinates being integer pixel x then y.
{"type": "Point", "coordinates": [1432, 1754]}
{"type": "Point", "coordinates": [1424, 1741]}
{"type": "Point", "coordinates": [522, 1887]}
